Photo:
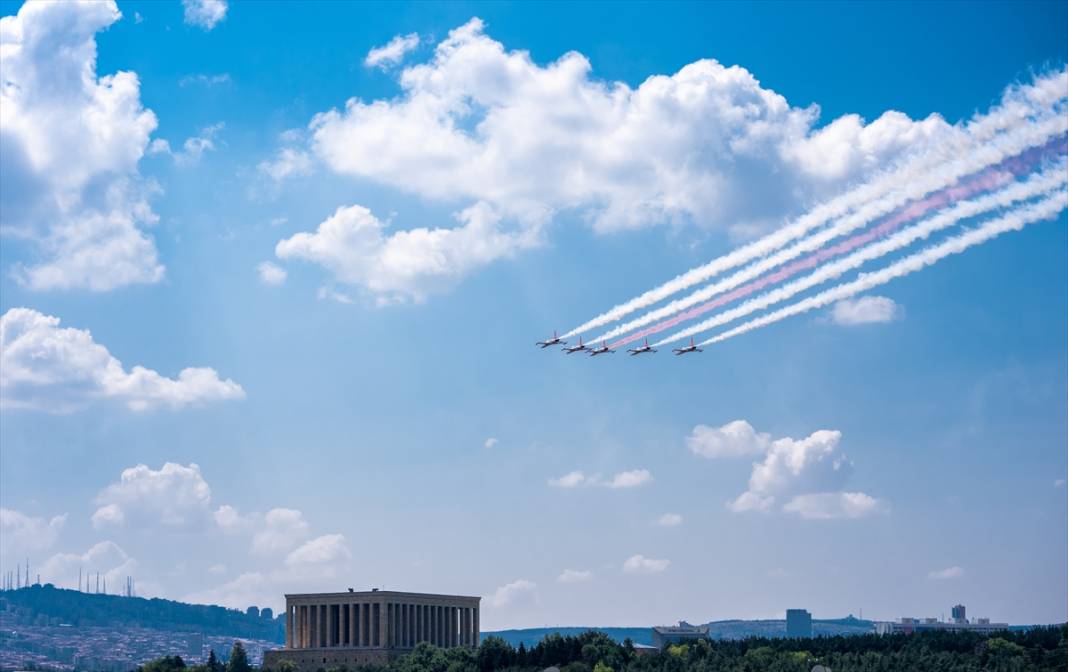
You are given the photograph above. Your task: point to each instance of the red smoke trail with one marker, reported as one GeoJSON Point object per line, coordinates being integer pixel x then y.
{"type": "Point", "coordinates": [985, 180]}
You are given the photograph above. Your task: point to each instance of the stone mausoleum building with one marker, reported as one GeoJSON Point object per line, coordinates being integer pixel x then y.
{"type": "Point", "coordinates": [325, 630]}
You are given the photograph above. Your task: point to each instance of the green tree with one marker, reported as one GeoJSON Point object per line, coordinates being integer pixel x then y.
{"type": "Point", "coordinates": [213, 664]}
{"type": "Point", "coordinates": [238, 659]}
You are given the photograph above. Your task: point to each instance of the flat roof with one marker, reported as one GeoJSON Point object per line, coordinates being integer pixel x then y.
{"type": "Point", "coordinates": [382, 593]}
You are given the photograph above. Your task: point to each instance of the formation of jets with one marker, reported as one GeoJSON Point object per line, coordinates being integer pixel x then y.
{"type": "Point", "coordinates": [605, 350]}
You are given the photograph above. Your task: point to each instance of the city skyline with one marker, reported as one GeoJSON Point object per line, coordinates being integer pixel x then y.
{"type": "Point", "coordinates": [270, 302]}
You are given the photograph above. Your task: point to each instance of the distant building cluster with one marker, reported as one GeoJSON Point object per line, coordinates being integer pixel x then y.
{"type": "Point", "coordinates": [958, 623]}
{"type": "Point", "coordinates": [667, 635]}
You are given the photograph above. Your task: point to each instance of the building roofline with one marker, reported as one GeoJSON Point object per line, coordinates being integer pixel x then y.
{"type": "Point", "coordinates": [382, 593]}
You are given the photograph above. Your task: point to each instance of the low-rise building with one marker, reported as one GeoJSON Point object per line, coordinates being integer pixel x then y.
{"type": "Point", "coordinates": [666, 635]}
{"type": "Point", "coordinates": [908, 625]}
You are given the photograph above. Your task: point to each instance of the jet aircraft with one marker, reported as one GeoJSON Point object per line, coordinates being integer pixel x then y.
{"type": "Point", "coordinates": [689, 348]}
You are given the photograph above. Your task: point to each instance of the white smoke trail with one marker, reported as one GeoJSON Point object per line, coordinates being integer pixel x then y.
{"type": "Point", "coordinates": [1006, 146]}
{"type": "Point", "coordinates": [1020, 104]}
{"type": "Point", "coordinates": [1015, 220]}
{"type": "Point", "coordinates": [1054, 178]}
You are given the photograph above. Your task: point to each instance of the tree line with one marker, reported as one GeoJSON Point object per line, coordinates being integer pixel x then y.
{"type": "Point", "coordinates": [1039, 649]}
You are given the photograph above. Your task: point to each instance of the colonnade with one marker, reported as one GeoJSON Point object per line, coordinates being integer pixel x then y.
{"type": "Point", "coordinates": [362, 623]}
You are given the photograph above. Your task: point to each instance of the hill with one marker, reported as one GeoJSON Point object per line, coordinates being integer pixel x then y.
{"type": "Point", "coordinates": [48, 605]}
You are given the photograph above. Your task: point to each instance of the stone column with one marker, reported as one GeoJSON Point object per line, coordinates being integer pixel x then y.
{"type": "Point", "coordinates": [418, 623]}
{"type": "Point", "coordinates": [322, 625]}
{"type": "Point", "coordinates": [465, 626]}
{"type": "Point", "coordinates": [406, 614]}
{"type": "Point", "coordinates": [478, 633]}
{"type": "Point", "coordinates": [330, 625]}
{"type": "Point", "coordinates": [289, 626]}
{"type": "Point", "coordinates": [383, 625]}
{"type": "Point", "coordinates": [352, 624]}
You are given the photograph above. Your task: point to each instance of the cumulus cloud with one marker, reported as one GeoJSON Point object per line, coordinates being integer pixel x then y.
{"type": "Point", "coordinates": [287, 162]}
{"type": "Point", "coordinates": [623, 479]}
{"type": "Point", "coordinates": [46, 367]}
{"type": "Point", "coordinates": [282, 529]}
{"type": "Point", "coordinates": [107, 515]}
{"type": "Point", "coordinates": [707, 144]}
{"type": "Point", "coordinates": [669, 520]}
{"type": "Point", "coordinates": [172, 495]}
{"type": "Point", "coordinates": [571, 479]}
{"type": "Point", "coordinates": [271, 274]}
{"type": "Point", "coordinates": [106, 558]}
{"type": "Point", "coordinates": [1059, 483]}
{"type": "Point", "coordinates": [515, 593]}
{"type": "Point", "coordinates": [72, 142]}
{"type": "Point", "coordinates": [801, 476]}
{"type": "Point", "coordinates": [953, 572]}
{"type": "Point", "coordinates": [795, 467]}
{"type": "Point", "coordinates": [356, 247]}
{"type": "Point", "coordinates": [23, 533]}
{"type": "Point", "coordinates": [734, 439]}
{"type": "Point", "coordinates": [639, 564]}
{"type": "Point", "coordinates": [830, 505]}
{"type": "Point", "coordinates": [575, 576]}
{"type": "Point", "coordinates": [205, 14]}
{"type": "Point", "coordinates": [328, 548]}
{"type": "Point", "coordinates": [480, 125]}
{"type": "Point", "coordinates": [865, 310]}
{"type": "Point", "coordinates": [392, 52]}
{"type": "Point", "coordinates": [490, 442]}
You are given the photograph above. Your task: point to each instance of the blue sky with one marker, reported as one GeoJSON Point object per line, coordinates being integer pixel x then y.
{"type": "Point", "coordinates": [356, 450]}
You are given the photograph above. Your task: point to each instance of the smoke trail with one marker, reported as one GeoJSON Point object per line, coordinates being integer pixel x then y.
{"type": "Point", "coordinates": [1054, 178]}
{"type": "Point", "coordinates": [993, 176]}
{"type": "Point", "coordinates": [1019, 105]}
{"type": "Point", "coordinates": [1013, 221]}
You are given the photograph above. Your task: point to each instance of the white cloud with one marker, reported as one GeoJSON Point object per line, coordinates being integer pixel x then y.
{"type": "Point", "coordinates": [630, 479]}
{"type": "Point", "coordinates": [865, 310]}
{"type": "Point", "coordinates": [639, 564]}
{"type": "Point", "coordinates": [173, 495]}
{"type": "Point", "coordinates": [205, 80]}
{"type": "Point", "coordinates": [333, 295]}
{"type": "Point", "coordinates": [953, 572]}
{"type": "Point", "coordinates": [72, 142]}
{"type": "Point", "coordinates": [571, 479]}
{"type": "Point", "coordinates": [105, 557]}
{"type": "Point", "coordinates": [623, 479]}
{"type": "Point", "coordinates": [60, 369]}
{"type": "Point", "coordinates": [734, 439]}
{"type": "Point", "coordinates": [354, 245]}
{"type": "Point", "coordinates": [575, 576]}
{"type": "Point", "coordinates": [793, 467]}
{"type": "Point", "coordinates": [271, 274]}
{"type": "Point", "coordinates": [833, 505]}
{"type": "Point", "coordinates": [217, 569]}
{"type": "Point", "coordinates": [392, 52]}
{"type": "Point", "coordinates": [802, 476]}
{"type": "Point", "coordinates": [23, 533]}
{"type": "Point", "coordinates": [1059, 483]}
{"type": "Point", "coordinates": [518, 593]}
{"type": "Point", "coordinates": [195, 147]}
{"type": "Point", "coordinates": [282, 529]}
{"type": "Point", "coordinates": [490, 442]}
{"type": "Point", "coordinates": [326, 549]}
{"type": "Point", "coordinates": [205, 14]}
{"type": "Point", "coordinates": [669, 520]}
{"type": "Point", "coordinates": [707, 144]}
{"type": "Point", "coordinates": [110, 514]}
{"type": "Point", "coordinates": [482, 126]}
{"type": "Point", "coordinates": [287, 162]}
